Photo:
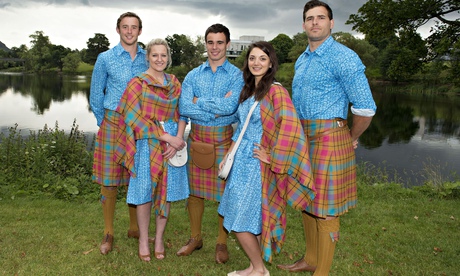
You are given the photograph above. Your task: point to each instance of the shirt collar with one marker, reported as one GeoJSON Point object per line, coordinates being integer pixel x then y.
{"type": "Point", "coordinates": [120, 50]}
{"type": "Point", "coordinates": [226, 65]}
{"type": "Point", "coordinates": [322, 48]}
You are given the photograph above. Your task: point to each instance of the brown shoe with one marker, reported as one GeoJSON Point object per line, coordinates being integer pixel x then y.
{"type": "Point", "coordinates": [221, 253]}
{"type": "Point", "coordinates": [106, 245]}
{"type": "Point", "coordinates": [191, 246]}
{"type": "Point", "coordinates": [298, 266]}
{"type": "Point", "coordinates": [135, 234]}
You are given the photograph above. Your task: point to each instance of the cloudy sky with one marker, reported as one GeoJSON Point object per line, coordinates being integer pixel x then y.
{"type": "Point", "coordinates": [71, 23]}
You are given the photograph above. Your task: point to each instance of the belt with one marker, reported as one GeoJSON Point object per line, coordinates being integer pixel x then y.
{"type": "Point", "coordinates": [340, 126]}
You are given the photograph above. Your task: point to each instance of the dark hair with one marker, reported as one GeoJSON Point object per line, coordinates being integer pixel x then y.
{"type": "Point", "coordinates": [218, 28]}
{"type": "Point", "coordinates": [315, 3]}
{"type": "Point", "coordinates": [267, 80]}
{"type": "Point", "coordinates": [129, 14]}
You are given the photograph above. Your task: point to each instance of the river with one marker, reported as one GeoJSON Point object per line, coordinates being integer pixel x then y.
{"type": "Point", "coordinates": [411, 133]}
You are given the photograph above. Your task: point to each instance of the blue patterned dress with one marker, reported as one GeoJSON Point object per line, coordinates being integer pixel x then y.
{"type": "Point", "coordinates": [241, 204]}
{"type": "Point", "coordinates": [140, 187]}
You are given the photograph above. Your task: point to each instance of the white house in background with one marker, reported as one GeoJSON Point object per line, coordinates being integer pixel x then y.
{"type": "Point", "coordinates": [238, 46]}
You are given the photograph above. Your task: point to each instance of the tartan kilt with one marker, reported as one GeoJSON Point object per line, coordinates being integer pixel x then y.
{"type": "Point", "coordinates": [206, 183]}
{"type": "Point", "coordinates": [334, 168]}
{"type": "Point", "coordinates": [105, 170]}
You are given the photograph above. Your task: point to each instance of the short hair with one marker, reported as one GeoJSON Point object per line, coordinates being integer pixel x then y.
{"type": "Point", "coordinates": [316, 3]}
{"type": "Point", "coordinates": [267, 80]}
{"type": "Point", "coordinates": [129, 14]}
{"type": "Point", "coordinates": [218, 28]}
{"type": "Point", "coordinates": [159, 41]}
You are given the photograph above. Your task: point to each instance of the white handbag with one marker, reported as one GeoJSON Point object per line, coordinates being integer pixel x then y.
{"type": "Point", "coordinates": [181, 156]}
{"type": "Point", "coordinates": [229, 158]}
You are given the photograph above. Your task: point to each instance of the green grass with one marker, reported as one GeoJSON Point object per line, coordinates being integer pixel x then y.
{"type": "Point", "coordinates": [394, 231]}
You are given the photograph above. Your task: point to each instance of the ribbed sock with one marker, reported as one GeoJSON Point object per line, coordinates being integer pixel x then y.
{"type": "Point", "coordinates": [328, 235]}
{"type": "Point", "coordinates": [310, 229]}
{"type": "Point", "coordinates": [108, 201]}
{"type": "Point", "coordinates": [195, 211]}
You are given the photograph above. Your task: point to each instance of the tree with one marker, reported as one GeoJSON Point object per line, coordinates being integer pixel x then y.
{"type": "Point", "coordinates": [96, 45]}
{"type": "Point", "coordinates": [300, 43]}
{"type": "Point", "coordinates": [282, 44]}
{"type": "Point", "coordinates": [184, 51]}
{"type": "Point", "coordinates": [385, 18]}
{"type": "Point", "coordinates": [58, 52]}
{"type": "Point", "coordinates": [40, 52]}
{"type": "Point", "coordinates": [71, 62]}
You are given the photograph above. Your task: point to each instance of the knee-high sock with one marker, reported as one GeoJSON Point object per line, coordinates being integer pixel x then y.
{"type": "Point", "coordinates": [195, 208]}
{"type": "Point", "coordinates": [310, 229]}
{"type": "Point", "coordinates": [132, 218]}
{"type": "Point", "coordinates": [223, 234]}
{"type": "Point", "coordinates": [328, 235]}
{"type": "Point", "coordinates": [108, 201]}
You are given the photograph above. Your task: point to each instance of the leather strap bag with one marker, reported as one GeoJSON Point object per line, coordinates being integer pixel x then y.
{"type": "Point", "coordinates": [230, 157]}
{"type": "Point", "coordinates": [203, 154]}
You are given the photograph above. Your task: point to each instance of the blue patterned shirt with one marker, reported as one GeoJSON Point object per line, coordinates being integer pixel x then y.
{"type": "Point", "coordinates": [210, 88]}
{"type": "Point", "coordinates": [327, 80]}
{"type": "Point", "coordinates": [113, 70]}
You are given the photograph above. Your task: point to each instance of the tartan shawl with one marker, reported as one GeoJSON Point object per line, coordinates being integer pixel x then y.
{"type": "Point", "coordinates": [288, 178]}
{"type": "Point", "coordinates": [144, 103]}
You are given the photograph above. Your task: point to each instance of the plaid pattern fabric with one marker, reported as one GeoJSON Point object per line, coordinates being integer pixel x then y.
{"type": "Point", "coordinates": [334, 167]}
{"type": "Point", "coordinates": [144, 103]}
{"type": "Point", "coordinates": [288, 179]}
{"type": "Point", "coordinates": [205, 183]}
{"type": "Point", "coordinates": [105, 170]}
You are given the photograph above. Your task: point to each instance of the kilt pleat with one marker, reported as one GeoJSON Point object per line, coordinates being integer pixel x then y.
{"type": "Point", "coordinates": [334, 169]}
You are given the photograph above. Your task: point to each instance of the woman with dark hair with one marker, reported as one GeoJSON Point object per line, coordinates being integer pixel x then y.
{"type": "Point", "coordinates": [270, 169]}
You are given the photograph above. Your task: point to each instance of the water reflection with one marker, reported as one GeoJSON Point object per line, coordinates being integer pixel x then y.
{"type": "Point", "coordinates": [407, 131]}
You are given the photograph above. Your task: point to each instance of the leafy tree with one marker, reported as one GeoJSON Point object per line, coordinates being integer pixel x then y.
{"type": "Point", "coordinates": [184, 51]}
{"type": "Point", "coordinates": [96, 45]}
{"type": "Point", "coordinates": [300, 43]}
{"type": "Point", "coordinates": [58, 52]}
{"type": "Point", "coordinates": [71, 62]}
{"type": "Point", "coordinates": [40, 53]}
{"type": "Point", "coordinates": [282, 44]}
{"type": "Point", "coordinates": [385, 18]}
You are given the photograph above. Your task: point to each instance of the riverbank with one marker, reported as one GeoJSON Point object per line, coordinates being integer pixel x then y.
{"type": "Point", "coordinates": [393, 231]}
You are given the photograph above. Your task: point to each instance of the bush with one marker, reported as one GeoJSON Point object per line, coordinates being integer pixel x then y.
{"type": "Point", "coordinates": [49, 161]}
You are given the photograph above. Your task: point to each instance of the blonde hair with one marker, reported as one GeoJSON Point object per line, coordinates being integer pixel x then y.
{"type": "Point", "coordinates": [159, 41]}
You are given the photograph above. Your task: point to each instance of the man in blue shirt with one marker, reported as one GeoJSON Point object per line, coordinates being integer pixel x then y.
{"type": "Point", "coordinates": [209, 98]}
{"type": "Point", "coordinates": [112, 72]}
{"type": "Point", "coordinates": [328, 76]}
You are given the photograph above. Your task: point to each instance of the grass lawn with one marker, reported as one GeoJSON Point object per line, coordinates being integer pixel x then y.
{"type": "Point", "coordinates": [394, 231]}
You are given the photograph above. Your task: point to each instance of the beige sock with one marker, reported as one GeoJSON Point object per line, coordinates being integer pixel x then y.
{"type": "Point", "coordinates": [310, 229]}
{"type": "Point", "coordinates": [195, 208]}
{"type": "Point", "coordinates": [108, 200]}
{"type": "Point", "coordinates": [223, 234]}
{"type": "Point", "coordinates": [328, 235]}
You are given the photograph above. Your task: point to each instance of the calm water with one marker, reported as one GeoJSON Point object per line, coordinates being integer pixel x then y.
{"type": "Point", "coordinates": [408, 133]}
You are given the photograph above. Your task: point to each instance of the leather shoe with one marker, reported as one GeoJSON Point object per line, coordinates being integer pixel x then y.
{"type": "Point", "coordinates": [221, 253]}
{"type": "Point", "coordinates": [135, 234]}
{"type": "Point", "coordinates": [299, 266]}
{"type": "Point", "coordinates": [107, 244]}
{"type": "Point", "coordinates": [192, 245]}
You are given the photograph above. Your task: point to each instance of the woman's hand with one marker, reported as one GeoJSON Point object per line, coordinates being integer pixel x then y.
{"type": "Point", "coordinates": [261, 154]}
{"type": "Point", "coordinates": [221, 164]}
{"type": "Point", "coordinates": [169, 152]}
{"type": "Point", "coordinates": [176, 142]}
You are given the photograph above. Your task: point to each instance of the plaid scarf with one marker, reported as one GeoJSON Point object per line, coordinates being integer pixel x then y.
{"type": "Point", "coordinates": [144, 103]}
{"type": "Point", "coordinates": [288, 178]}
